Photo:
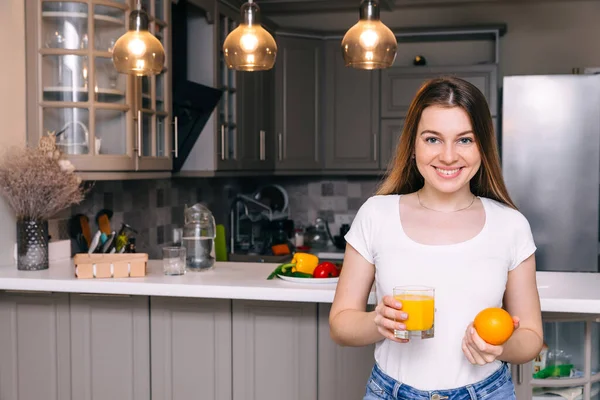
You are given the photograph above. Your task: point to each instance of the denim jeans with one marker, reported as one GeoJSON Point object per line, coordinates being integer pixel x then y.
{"type": "Point", "coordinates": [498, 386]}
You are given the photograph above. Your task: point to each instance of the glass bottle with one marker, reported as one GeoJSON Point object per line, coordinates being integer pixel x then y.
{"type": "Point", "coordinates": [198, 238]}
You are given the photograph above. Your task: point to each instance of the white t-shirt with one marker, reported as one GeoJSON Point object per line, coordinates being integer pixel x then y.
{"type": "Point", "coordinates": [467, 277]}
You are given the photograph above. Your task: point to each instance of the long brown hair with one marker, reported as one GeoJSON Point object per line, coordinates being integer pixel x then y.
{"type": "Point", "coordinates": [403, 176]}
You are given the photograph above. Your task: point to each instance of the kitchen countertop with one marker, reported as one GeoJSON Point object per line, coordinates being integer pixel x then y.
{"type": "Point", "coordinates": [569, 292]}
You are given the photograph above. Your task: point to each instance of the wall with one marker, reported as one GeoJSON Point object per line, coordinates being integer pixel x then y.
{"type": "Point", "coordinates": [12, 103]}
{"type": "Point", "coordinates": [543, 37]}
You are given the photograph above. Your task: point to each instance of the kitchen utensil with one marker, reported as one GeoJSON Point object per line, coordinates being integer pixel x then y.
{"type": "Point", "coordinates": [199, 234]}
{"type": "Point", "coordinates": [103, 220]}
{"type": "Point", "coordinates": [95, 243]}
{"type": "Point", "coordinates": [110, 243]}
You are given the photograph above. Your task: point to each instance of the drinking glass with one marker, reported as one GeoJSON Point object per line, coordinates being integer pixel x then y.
{"type": "Point", "coordinates": [418, 303]}
{"type": "Point", "coordinates": [174, 260]}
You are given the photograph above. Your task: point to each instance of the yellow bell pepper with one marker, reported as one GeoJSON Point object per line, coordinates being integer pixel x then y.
{"type": "Point", "coordinates": [305, 262]}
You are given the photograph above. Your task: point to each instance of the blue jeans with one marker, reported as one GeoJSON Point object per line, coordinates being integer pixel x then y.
{"type": "Point", "coordinates": [498, 386]}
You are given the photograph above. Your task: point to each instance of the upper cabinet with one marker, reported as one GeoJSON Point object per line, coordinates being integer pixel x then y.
{"type": "Point", "coordinates": [299, 80]}
{"type": "Point", "coordinates": [101, 119]}
{"type": "Point", "coordinates": [400, 84]}
{"type": "Point", "coordinates": [351, 117]}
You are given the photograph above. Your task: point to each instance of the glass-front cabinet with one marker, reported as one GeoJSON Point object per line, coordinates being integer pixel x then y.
{"type": "Point", "coordinates": [76, 94]}
{"type": "Point", "coordinates": [569, 364]}
{"type": "Point", "coordinates": [227, 80]}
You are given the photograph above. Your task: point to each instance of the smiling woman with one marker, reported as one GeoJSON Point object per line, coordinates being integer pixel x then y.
{"type": "Point", "coordinates": [441, 220]}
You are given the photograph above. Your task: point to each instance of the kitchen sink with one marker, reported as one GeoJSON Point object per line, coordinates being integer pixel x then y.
{"type": "Point", "coordinates": [257, 258]}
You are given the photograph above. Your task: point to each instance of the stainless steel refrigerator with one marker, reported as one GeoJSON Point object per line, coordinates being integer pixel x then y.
{"type": "Point", "coordinates": [551, 164]}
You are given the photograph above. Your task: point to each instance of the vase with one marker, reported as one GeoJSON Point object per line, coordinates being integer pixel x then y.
{"type": "Point", "coordinates": [32, 245]}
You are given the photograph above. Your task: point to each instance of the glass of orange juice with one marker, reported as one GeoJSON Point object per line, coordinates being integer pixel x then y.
{"type": "Point", "coordinates": [418, 303]}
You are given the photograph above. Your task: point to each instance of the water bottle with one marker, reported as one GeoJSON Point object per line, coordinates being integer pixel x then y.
{"type": "Point", "coordinates": [198, 238]}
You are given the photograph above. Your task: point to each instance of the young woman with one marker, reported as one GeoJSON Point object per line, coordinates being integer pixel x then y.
{"type": "Point", "coordinates": [442, 218]}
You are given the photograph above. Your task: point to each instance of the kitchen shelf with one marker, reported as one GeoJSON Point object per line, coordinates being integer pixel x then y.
{"type": "Point", "coordinates": [71, 14]}
{"type": "Point", "coordinates": [100, 91]}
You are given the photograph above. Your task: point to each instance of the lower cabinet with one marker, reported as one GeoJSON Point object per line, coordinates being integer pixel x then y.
{"type": "Point", "coordinates": [343, 371]}
{"type": "Point", "coordinates": [104, 347]}
{"type": "Point", "coordinates": [35, 360]}
{"type": "Point", "coordinates": [110, 339]}
{"type": "Point", "coordinates": [191, 348]}
{"type": "Point", "coordinates": [274, 350]}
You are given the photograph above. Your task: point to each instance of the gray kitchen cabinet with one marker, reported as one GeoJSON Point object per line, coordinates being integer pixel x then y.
{"type": "Point", "coordinates": [391, 129]}
{"type": "Point", "coordinates": [400, 84]}
{"type": "Point", "coordinates": [298, 75]}
{"type": "Point", "coordinates": [343, 371]}
{"type": "Point", "coordinates": [257, 94]}
{"type": "Point", "coordinates": [110, 341]}
{"type": "Point", "coordinates": [35, 360]}
{"type": "Point", "coordinates": [274, 350]}
{"type": "Point", "coordinates": [351, 116]}
{"type": "Point", "coordinates": [522, 386]}
{"type": "Point", "coordinates": [191, 348]}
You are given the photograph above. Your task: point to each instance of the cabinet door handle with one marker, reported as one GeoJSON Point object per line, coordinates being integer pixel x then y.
{"type": "Point", "coordinates": [223, 142]}
{"type": "Point", "coordinates": [375, 147]}
{"type": "Point", "coordinates": [262, 146]}
{"type": "Point", "coordinates": [519, 374]}
{"type": "Point", "coordinates": [280, 141]}
{"type": "Point", "coordinates": [235, 147]}
{"type": "Point", "coordinates": [139, 133]}
{"type": "Point", "coordinates": [176, 131]}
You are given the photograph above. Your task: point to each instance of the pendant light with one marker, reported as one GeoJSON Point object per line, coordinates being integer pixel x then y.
{"type": "Point", "coordinates": [249, 47]}
{"type": "Point", "coordinates": [369, 44]}
{"type": "Point", "coordinates": [138, 52]}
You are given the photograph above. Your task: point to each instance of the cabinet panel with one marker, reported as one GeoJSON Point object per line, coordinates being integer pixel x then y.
{"type": "Point", "coordinates": [191, 348]}
{"type": "Point", "coordinates": [343, 371]}
{"type": "Point", "coordinates": [110, 355]}
{"type": "Point", "coordinates": [256, 90]}
{"type": "Point", "coordinates": [298, 82]}
{"type": "Point", "coordinates": [34, 346]}
{"type": "Point", "coordinates": [400, 84]}
{"type": "Point", "coordinates": [274, 350]}
{"type": "Point", "coordinates": [351, 114]}
{"type": "Point", "coordinates": [391, 129]}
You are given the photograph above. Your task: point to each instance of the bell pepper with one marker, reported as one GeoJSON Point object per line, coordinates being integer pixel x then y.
{"type": "Point", "coordinates": [326, 269]}
{"type": "Point", "coordinates": [286, 270]}
{"type": "Point", "coordinates": [305, 262]}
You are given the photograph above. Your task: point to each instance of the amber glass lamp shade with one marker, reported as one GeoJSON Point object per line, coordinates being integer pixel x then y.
{"type": "Point", "coordinates": [249, 47]}
{"type": "Point", "coordinates": [138, 52]}
{"type": "Point", "coordinates": [369, 44]}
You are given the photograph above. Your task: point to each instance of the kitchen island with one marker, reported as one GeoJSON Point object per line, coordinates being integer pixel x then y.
{"type": "Point", "coordinates": [228, 333]}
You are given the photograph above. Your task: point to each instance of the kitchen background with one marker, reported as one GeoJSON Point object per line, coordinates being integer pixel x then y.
{"type": "Point", "coordinates": [155, 207]}
{"type": "Point", "coordinates": [543, 37]}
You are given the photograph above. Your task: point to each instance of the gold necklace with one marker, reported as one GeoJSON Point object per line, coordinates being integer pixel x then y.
{"type": "Point", "coordinates": [460, 209]}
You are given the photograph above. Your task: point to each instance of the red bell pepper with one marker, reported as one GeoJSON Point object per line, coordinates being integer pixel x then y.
{"type": "Point", "coordinates": [326, 269]}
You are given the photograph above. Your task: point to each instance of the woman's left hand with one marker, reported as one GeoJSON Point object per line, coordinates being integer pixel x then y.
{"type": "Point", "coordinates": [477, 350]}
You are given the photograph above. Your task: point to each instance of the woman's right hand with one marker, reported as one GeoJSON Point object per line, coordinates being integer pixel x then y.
{"type": "Point", "coordinates": [388, 317]}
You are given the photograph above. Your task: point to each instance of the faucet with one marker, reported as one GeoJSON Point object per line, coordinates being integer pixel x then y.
{"type": "Point", "coordinates": [234, 222]}
{"type": "Point", "coordinates": [234, 217]}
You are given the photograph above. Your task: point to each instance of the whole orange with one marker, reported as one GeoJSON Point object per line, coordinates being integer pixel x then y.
{"type": "Point", "coordinates": [494, 325]}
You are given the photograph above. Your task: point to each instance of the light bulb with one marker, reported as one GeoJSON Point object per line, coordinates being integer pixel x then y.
{"type": "Point", "coordinates": [136, 47]}
{"type": "Point", "coordinates": [249, 42]}
{"type": "Point", "coordinates": [369, 39]}
{"type": "Point", "coordinates": [369, 44]}
{"type": "Point", "coordinates": [138, 52]}
{"type": "Point", "coordinates": [249, 47]}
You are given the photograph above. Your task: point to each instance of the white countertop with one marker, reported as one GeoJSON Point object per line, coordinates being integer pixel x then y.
{"type": "Point", "coordinates": [572, 292]}
{"type": "Point", "coordinates": [227, 280]}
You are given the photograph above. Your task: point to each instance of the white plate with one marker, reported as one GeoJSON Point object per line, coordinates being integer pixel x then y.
{"type": "Point", "coordinates": [308, 281]}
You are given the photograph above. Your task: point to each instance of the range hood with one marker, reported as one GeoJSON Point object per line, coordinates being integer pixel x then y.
{"type": "Point", "coordinates": [193, 103]}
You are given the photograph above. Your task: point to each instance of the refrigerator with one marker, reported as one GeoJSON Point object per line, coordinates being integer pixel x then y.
{"type": "Point", "coordinates": [551, 164]}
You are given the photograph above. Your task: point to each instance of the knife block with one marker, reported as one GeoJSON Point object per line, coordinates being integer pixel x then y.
{"type": "Point", "coordinates": [128, 265]}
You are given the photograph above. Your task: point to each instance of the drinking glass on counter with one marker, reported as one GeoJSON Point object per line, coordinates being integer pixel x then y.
{"type": "Point", "coordinates": [174, 260]}
{"type": "Point", "coordinates": [418, 303]}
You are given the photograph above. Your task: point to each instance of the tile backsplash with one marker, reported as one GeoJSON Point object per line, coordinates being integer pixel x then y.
{"type": "Point", "coordinates": [155, 207]}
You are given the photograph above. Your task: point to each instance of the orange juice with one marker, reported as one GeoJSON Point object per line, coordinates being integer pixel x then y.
{"type": "Point", "coordinates": [419, 309]}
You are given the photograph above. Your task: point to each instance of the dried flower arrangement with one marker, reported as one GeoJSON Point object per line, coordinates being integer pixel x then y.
{"type": "Point", "coordinates": [39, 182]}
